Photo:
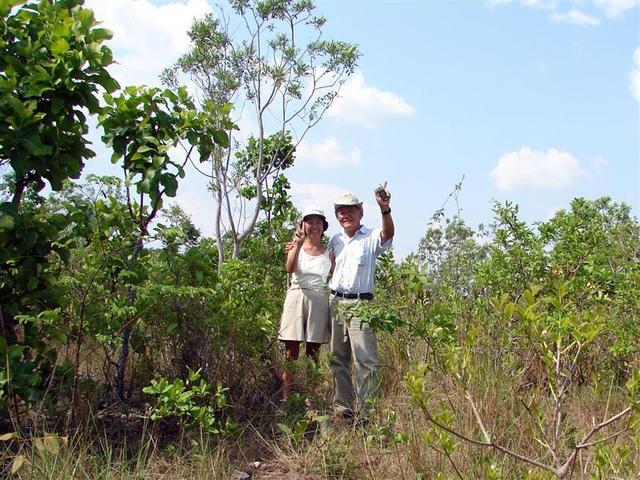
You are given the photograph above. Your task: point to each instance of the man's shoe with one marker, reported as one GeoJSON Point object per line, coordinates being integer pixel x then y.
{"type": "Point", "coordinates": [345, 413]}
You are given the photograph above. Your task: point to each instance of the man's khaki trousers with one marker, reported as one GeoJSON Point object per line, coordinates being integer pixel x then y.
{"type": "Point", "coordinates": [352, 342]}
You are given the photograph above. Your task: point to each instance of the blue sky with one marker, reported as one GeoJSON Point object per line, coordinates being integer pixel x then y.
{"type": "Point", "coordinates": [536, 102]}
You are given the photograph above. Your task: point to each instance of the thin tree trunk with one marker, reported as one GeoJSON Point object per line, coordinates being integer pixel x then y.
{"type": "Point", "coordinates": [216, 166]}
{"type": "Point", "coordinates": [122, 362]}
{"type": "Point", "coordinates": [126, 333]}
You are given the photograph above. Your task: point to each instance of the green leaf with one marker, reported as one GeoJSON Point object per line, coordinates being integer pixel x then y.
{"type": "Point", "coordinates": [107, 82]}
{"type": "Point", "coordinates": [86, 17]}
{"type": "Point", "coordinates": [221, 138]}
{"type": "Point", "coordinates": [285, 429]}
{"type": "Point", "coordinates": [102, 34]}
{"type": "Point", "coordinates": [170, 184]}
{"type": "Point", "coordinates": [6, 222]}
{"type": "Point", "coordinates": [7, 5]}
{"type": "Point", "coordinates": [509, 309]}
{"type": "Point", "coordinates": [171, 328]}
{"type": "Point", "coordinates": [144, 149]}
{"type": "Point", "coordinates": [144, 186]}
{"type": "Point", "coordinates": [59, 46]}
{"type": "Point", "coordinates": [35, 146]}
{"type": "Point", "coordinates": [17, 106]}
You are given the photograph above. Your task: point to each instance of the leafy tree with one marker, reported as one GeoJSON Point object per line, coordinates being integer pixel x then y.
{"type": "Point", "coordinates": [270, 57]}
{"type": "Point", "coordinates": [450, 255]}
{"type": "Point", "coordinates": [595, 246]}
{"type": "Point", "coordinates": [143, 125]}
{"type": "Point", "coordinates": [52, 65]}
{"type": "Point", "coordinates": [557, 308]}
{"type": "Point", "coordinates": [516, 254]}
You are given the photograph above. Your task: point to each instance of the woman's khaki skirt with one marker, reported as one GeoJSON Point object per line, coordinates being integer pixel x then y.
{"type": "Point", "coordinates": [305, 317]}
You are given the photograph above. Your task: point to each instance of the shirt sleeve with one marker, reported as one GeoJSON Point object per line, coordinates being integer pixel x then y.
{"type": "Point", "coordinates": [331, 244]}
{"type": "Point", "coordinates": [380, 247]}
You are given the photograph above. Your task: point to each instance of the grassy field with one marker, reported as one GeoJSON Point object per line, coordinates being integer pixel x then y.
{"type": "Point", "coordinates": [291, 440]}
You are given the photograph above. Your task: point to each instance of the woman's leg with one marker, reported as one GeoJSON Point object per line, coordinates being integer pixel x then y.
{"type": "Point", "coordinates": [292, 352]}
{"type": "Point", "coordinates": [312, 350]}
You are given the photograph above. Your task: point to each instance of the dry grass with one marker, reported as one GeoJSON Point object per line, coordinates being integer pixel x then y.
{"type": "Point", "coordinates": [399, 442]}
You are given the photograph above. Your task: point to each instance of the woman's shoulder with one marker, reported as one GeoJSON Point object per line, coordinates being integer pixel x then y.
{"type": "Point", "coordinates": [316, 252]}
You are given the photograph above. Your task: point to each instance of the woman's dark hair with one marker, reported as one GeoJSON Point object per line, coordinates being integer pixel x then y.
{"type": "Point", "coordinates": [325, 224]}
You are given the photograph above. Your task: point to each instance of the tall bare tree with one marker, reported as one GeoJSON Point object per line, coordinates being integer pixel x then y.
{"type": "Point", "coordinates": [268, 57]}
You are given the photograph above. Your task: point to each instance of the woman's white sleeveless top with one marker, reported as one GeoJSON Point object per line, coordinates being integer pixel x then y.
{"type": "Point", "coordinates": [312, 270]}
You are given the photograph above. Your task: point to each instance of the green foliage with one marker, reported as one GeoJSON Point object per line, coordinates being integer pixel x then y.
{"type": "Point", "coordinates": [516, 257]}
{"type": "Point", "coordinates": [298, 432]}
{"type": "Point", "coordinates": [192, 402]}
{"type": "Point", "coordinates": [377, 316]}
{"type": "Point", "coordinates": [53, 62]}
{"type": "Point", "coordinates": [408, 307]}
{"type": "Point", "coordinates": [142, 125]}
{"type": "Point", "coordinates": [545, 313]}
{"type": "Point", "coordinates": [593, 247]}
{"type": "Point", "coordinates": [29, 297]}
{"type": "Point", "coordinates": [278, 148]}
{"type": "Point", "coordinates": [450, 255]}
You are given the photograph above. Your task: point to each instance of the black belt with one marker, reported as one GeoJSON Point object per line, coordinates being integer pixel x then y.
{"type": "Point", "coordinates": [361, 296]}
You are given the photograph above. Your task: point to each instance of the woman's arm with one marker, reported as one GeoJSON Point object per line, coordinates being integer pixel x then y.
{"type": "Point", "coordinates": [291, 262]}
{"type": "Point", "coordinates": [332, 256]}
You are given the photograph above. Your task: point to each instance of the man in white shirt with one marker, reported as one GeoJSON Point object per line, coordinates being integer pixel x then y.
{"type": "Point", "coordinates": [356, 249]}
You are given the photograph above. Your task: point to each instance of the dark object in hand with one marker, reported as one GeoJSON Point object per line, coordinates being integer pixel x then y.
{"type": "Point", "coordinates": [382, 192]}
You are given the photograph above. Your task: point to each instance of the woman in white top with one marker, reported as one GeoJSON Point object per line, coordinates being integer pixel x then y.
{"type": "Point", "coordinates": [305, 315]}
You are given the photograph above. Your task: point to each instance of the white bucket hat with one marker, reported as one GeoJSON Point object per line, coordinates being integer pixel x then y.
{"type": "Point", "coordinates": [313, 210]}
{"type": "Point", "coordinates": [346, 200]}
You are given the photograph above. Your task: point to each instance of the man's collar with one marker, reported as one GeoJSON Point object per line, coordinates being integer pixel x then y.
{"type": "Point", "coordinates": [362, 230]}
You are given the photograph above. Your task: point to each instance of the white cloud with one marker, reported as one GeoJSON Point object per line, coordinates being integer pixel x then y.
{"type": "Point", "coordinates": [540, 4]}
{"type": "Point", "coordinates": [576, 17]}
{"type": "Point", "coordinates": [147, 37]}
{"type": "Point", "coordinates": [532, 169]}
{"type": "Point", "coordinates": [615, 8]}
{"type": "Point", "coordinates": [328, 154]}
{"type": "Point", "coordinates": [598, 164]}
{"type": "Point", "coordinates": [365, 105]}
{"type": "Point", "coordinates": [635, 75]}
{"type": "Point", "coordinates": [536, 4]}
{"type": "Point", "coordinates": [608, 8]}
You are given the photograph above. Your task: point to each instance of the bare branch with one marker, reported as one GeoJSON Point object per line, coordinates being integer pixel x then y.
{"type": "Point", "coordinates": [583, 443]}
{"type": "Point", "coordinates": [479, 421]}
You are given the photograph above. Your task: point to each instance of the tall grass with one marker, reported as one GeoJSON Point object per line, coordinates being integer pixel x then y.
{"type": "Point", "coordinates": [398, 442]}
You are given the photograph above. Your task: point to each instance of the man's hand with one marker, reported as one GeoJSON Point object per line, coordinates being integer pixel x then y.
{"type": "Point", "coordinates": [388, 229]}
{"type": "Point", "coordinates": [383, 202]}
